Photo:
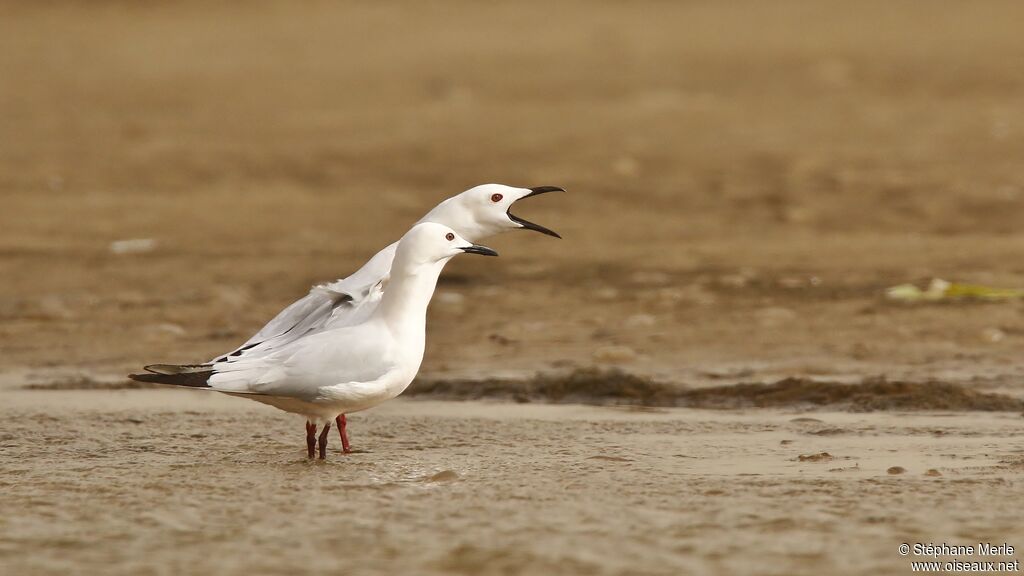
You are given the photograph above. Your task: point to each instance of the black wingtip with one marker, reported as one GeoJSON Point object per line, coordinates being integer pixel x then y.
{"type": "Point", "coordinates": [176, 368]}
{"type": "Point", "coordinates": [187, 379]}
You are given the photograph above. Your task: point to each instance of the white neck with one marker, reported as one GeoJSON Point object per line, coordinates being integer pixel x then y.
{"type": "Point", "coordinates": [453, 215]}
{"type": "Point", "coordinates": [403, 306]}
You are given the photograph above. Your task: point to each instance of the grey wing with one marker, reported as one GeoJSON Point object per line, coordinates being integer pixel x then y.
{"type": "Point", "coordinates": [340, 303]}
{"type": "Point", "coordinates": [312, 316]}
{"type": "Point", "coordinates": [302, 308]}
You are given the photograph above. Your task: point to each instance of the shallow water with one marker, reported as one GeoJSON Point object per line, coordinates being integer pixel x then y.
{"type": "Point", "coordinates": [158, 482]}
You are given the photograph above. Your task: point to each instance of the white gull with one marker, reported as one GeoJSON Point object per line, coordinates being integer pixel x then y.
{"type": "Point", "coordinates": [343, 369]}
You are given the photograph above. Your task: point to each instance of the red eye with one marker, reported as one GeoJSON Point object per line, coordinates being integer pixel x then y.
{"type": "Point", "coordinates": [449, 236]}
{"type": "Point", "coordinates": [496, 197]}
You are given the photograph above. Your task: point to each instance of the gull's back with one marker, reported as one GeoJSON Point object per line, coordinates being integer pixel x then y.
{"type": "Point", "coordinates": [346, 301]}
{"type": "Point", "coordinates": [343, 302]}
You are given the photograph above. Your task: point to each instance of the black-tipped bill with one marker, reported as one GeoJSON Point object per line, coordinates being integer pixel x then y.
{"type": "Point", "coordinates": [530, 225]}
{"type": "Point", "coordinates": [477, 249]}
{"type": "Point", "coordinates": [543, 190]}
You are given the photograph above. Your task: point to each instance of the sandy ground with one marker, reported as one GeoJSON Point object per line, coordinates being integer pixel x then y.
{"type": "Point", "coordinates": [155, 482]}
{"type": "Point", "coordinates": [745, 179]}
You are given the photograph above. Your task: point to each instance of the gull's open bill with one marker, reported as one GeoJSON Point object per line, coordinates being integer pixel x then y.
{"type": "Point", "coordinates": [530, 225]}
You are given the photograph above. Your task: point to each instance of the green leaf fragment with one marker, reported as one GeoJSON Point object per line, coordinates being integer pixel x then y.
{"type": "Point", "coordinates": [942, 290]}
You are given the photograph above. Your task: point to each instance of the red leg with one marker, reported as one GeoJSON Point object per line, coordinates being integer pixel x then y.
{"type": "Point", "coordinates": [343, 432]}
{"type": "Point", "coordinates": [323, 441]}
{"type": "Point", "coordinates": [310, 439]}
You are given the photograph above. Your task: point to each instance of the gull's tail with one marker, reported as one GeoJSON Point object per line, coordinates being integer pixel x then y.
{"type": "Point", "coordinates": [191, 375]}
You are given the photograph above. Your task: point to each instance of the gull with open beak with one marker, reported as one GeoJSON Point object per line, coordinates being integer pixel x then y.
{"type": "Point", "coordinates": [475, 214]}
{"type": "Point", "coordinates": [343, 369]}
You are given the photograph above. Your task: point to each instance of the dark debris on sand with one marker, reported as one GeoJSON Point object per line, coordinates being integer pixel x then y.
{"type": "Point", "coordinates": [595, 386]}
{"type": "Point", "coordinates": [615, 387]}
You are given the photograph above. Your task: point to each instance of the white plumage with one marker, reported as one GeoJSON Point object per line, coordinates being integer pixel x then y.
{"type": "Point", "coordinates": [358, 341]}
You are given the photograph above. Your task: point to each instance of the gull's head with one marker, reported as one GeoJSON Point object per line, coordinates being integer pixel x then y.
{"type": "Point", "coordinates": [429, 243]}
{"type": "Point", "coordinates": [486, 210]}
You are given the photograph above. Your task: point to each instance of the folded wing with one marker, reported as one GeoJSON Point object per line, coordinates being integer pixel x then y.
{"type": "Point", "coordinates": [344, 302]}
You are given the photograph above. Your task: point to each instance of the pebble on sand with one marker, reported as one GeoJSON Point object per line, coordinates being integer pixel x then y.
{"type": "Point", "coordinates": [133, 246]}
{"type": "Point", "coordinates": [896, 470]}
{"type": "Point", "coordinates": [450, 298]}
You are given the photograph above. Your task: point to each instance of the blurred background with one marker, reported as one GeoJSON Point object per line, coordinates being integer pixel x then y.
{"type": "Point", "coordinates": [744, 179]}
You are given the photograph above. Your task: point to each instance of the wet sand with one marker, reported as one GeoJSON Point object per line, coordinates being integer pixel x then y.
{"type": "Point", "coordinates": [167, 482]}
